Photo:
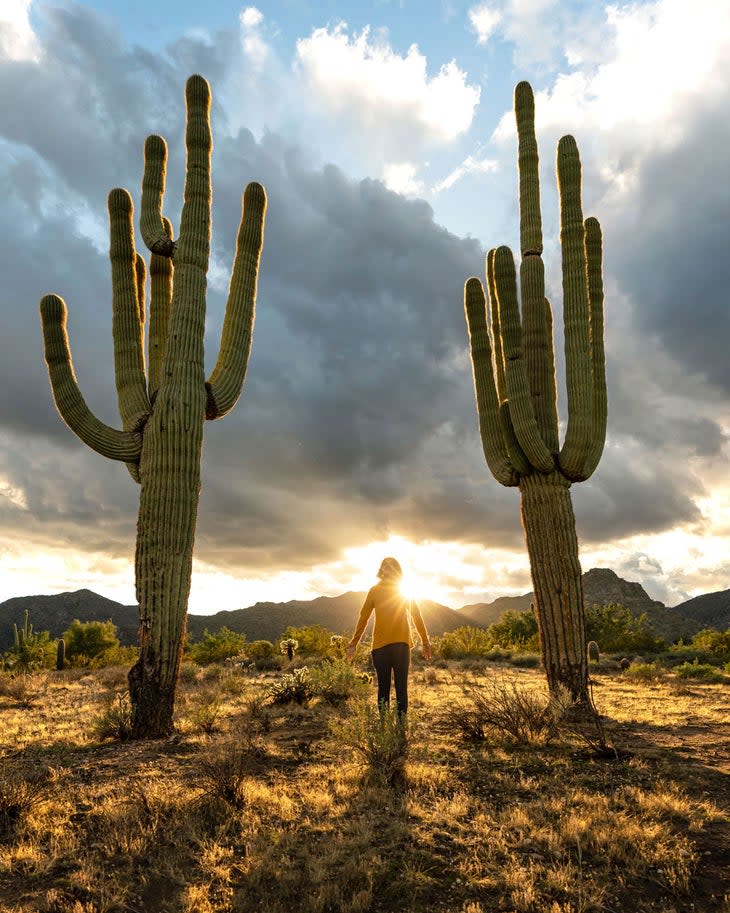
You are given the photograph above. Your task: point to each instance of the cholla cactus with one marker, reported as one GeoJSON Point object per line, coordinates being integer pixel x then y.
{"type": "Point", "coordinates": [593, 652]}
{"type": "Point", "coordinates": [163, 409]}
{"type": "Point", "coordinates": [289, 645]}
{"type": "Point", "coordinates": [514, 381]}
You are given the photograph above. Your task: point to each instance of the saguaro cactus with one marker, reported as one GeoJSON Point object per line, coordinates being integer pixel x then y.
{"type": "Point", "coordinates": [163, 411]}
{"type": "Point", "coordinates": [514, 381]}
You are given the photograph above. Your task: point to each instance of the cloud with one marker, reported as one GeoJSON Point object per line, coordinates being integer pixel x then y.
{"type": "Point", "coordinates": [362, 77]}
{"type": "Point", "coordinates": [17, 38]}
{"type": "Point", "coordinates": [484, 20]}
{"type": "Point", "coordinates": [470, 165]}
{"type": "Point", "coordinates": [254, 45]}
{"type": "Point", "coordinates": [400, 177]}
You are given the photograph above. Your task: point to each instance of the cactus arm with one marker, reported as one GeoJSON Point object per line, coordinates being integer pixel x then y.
{"type": "Point", "coordinates": [488, 408]}
{"type": "Point", "coordinates": [496, 330]}
{"type": "Point", "coordinates": [152, 228]}
{"type": "Point", "coordinates": [518, 388]}
{"type": "Point", "coordinates": [127, 329]}
{"type": "Point", "coordinates": [515, 453]}
{"type": "Point", "coordinates": [537, 340]}
{"type": "Point", "coordinates": [578, 358]}
{"type": "Point", "coordinates": [116, 445]}
{"type": "Point", "coordinates": [594, 255]}
{"type": "Point", "coordinates": [141, 271]}
{"type": "Point", "coordinates": [529, 171]}
{"type": "Point", "coordinates": [184, 356]}
{"type": "Point", "coordinates": [226, 381]}
{"type": "Point", "coordinates": [536, 324]}
{"type": "Point", "coordinates": [161, 277]}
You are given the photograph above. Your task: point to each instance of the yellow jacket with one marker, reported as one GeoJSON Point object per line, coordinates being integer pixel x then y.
{"type": "Point", "coordinates": [391, 617]}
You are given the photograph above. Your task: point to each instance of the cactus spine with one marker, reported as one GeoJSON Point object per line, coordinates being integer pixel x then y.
{"type": "Point", "coordinates": [164, 408]}
{"type": "Point", "coordinates": [514, 382]}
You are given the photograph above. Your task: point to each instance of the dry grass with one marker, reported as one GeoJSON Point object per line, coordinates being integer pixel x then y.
{"type": "Point", "coordinates": [281, 807]}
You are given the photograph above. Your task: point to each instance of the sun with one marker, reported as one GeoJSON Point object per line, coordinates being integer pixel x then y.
{"type": "Point", "coordinates": [413, 587]}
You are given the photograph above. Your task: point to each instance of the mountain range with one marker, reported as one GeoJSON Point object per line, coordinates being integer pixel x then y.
{"type": "Point", "coordinates": [267, 620]}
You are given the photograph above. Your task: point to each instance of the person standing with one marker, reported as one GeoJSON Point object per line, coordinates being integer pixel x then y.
{"type": "Point", "coordinates": [392, 642]}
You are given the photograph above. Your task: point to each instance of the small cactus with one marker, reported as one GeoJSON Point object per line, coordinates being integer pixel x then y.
{"type": "Point", "coordinates": [60, 654]}
{"type": "Point", "coordinates": [593, 652]}
{"type": "Point", "coordinates": [289, 645]}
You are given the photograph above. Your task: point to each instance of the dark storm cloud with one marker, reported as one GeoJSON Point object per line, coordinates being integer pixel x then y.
{"type": "Point", "coordinates": [672, 258]}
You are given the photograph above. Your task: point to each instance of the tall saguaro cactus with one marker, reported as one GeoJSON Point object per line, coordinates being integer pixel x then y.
{"type": "Point", "coordinates": [514, 381]}
{"type": "Point", "coordinates": [163, 408]}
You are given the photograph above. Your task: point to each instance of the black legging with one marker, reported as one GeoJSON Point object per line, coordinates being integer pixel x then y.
{"type": "Point", "coordinates": [395, 659]}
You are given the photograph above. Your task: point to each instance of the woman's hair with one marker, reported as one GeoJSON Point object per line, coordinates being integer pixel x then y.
{"type": "Point", "coordinates": [390, 569]}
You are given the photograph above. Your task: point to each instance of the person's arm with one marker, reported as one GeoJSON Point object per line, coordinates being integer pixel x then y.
{"type": "Point", "coordinates": [365, 612]}
{"type": "Point", "coordinates": [421, 628]}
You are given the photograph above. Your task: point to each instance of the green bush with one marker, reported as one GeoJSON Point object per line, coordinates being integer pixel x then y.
{"type": "Point", "coordinates": [515, 631]}
{"type": "Point", "coordinates": [700, 671]}
{"type": "Point", "coordinates": [217, 647]}
{"type": "Point", "coordinates": [617, 630]}
{"type": "Point", "coordinates": [312, 640]}
{"type": "Point", "coordinates": [337, 681]}
{"type": "Point", "coordinates": [87, 641]}
{"type": "Point", "coordinates": [643, 672]}
{"type": "Point", "coordinates": [462, 642]}
{"type": "Point", "coordinates": [714, 644]}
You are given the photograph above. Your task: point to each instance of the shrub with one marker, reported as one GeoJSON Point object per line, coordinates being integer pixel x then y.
{"type": "Point", "coordinates": [618, 630]}
{"type": "Point", "coordinates": [204, 711]}
{"type": "Point", "coordinates": [116, 720]}
{"type": "Point", "coordinates": [20, 793]}
{"type": "Point", "coordinates": [700, 671]}
{"type": "Point", "coordinates": [222, 772]}
{"type": "Point", "coordinates": [88, 640]}
{"type": "Point", "coordinates": [336, 682]}
{"type": "Point", "coordinates": [503, 709]}
{"type": "Point", "coordinates": [312, 639]}
{"type": "Point", "coordinates": [23, 688]}
{"type": "Point", "coordinates": [643, 672]}
{"type": "Point", "coordinates": [292, 687]}
{"type": "Point", "coordinates": [715, 644]}
{"type": "Point", "coordinates": [462, 642]}
{"type": "Point", "coordinates": [378, 736]}
{"type": "Point", "coordinates": [217, 647]}
{"type": "Point", "coordinates": [516, 631]}
{"type": "Point", "coordinates": [115, 656]}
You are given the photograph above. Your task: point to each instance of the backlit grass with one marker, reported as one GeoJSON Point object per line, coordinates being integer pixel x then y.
{"type": "Point", "coordinates": [287, 807]}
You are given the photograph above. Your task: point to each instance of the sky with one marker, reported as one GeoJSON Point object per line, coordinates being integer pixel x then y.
{"type": "Point", "coordinates": [384, 135]}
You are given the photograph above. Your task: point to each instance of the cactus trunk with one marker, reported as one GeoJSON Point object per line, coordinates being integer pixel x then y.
{"type": "Point", "coordinates": [164, 555]}
{"type": "Point", "coordinates": [552, 545]}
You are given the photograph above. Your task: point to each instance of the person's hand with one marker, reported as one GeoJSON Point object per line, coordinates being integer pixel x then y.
{"type": "Point", "coordinates": [350, 651]}
{"type": "Point", "coordinates": [427, 651]}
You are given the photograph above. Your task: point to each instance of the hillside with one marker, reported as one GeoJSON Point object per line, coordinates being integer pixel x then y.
{"type": "Point", "coordinates": [602, 586]}
{"type": "Point", "coordinates": [55, 613]}
{"type": "Point", "coordinates": [262, 621]}
{"type": "Point", "coordinates": [267, 620]}
{"type": "Point", "coordinates": [712, 610]}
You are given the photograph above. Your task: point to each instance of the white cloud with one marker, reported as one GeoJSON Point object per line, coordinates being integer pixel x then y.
{"type": "Point", "coordinates": [251, 17]}
{"type": "Point", "coordinates": [400, 177]}
{"type": "Point", "coordinates": [254, 46]}
{"type": "Point", "coordinates": [363, 72]}
{"type": "Point", "coordinates": [17, 39]}
{"type": "Point", "coordinates": [484, 20]}
{"type": "Point", "coordinates": [470, 165]}
{"type": "Point", "coordinates": [655, 58]}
